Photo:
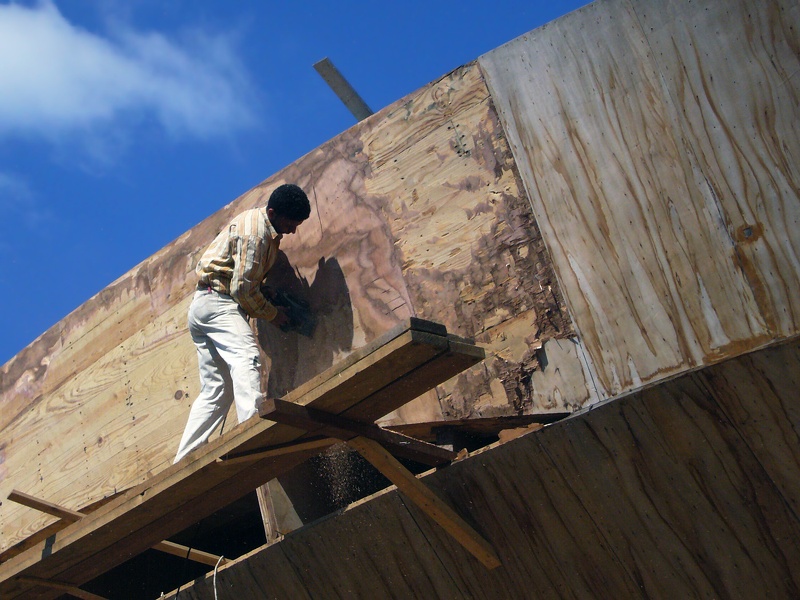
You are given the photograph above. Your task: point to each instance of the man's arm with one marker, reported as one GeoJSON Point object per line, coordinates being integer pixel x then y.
{"type": "Point", "coordinates": [251, 260]}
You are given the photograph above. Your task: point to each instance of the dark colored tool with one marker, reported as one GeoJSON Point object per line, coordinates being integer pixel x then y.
{"type": "Point", "coordinates": [300, 318]}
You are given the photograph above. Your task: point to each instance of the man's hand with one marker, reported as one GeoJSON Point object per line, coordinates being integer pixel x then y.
{"type": "Point", "coordinates": [281, 318]}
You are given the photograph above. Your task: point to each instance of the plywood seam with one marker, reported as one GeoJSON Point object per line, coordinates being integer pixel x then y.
{"type": "Point", "coordinates": [501, 119]}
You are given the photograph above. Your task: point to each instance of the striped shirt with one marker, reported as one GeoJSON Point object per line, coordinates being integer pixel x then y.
{"type": "Point", "coordinates": [238, 259]}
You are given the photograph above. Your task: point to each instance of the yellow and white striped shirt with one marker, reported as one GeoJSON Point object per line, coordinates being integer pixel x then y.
{"type": "Point", "coordinates": [239, 258]}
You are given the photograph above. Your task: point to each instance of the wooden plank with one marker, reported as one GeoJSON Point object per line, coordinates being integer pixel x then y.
{"type": "Point", "coordinates": [198, 485]}
{"type": "Point", "coordinates": [192, 554]}
{"type": "Point", "coordinates": [323, 423]}
{"type": "Point", "coordinates": [280, 450]}
{"type": "Point", "coordinates": [458, 356]}
{"type": "Point", "coordinates": [49, 530]}
{"type": "Point", "coordinates": [476, 427]}
{"type": "Point", "coordinates": [426, 500]}
{"type": "Point", "coordinates": [49, 508]}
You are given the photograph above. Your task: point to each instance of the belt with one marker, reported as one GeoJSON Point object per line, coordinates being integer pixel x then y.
{"type": "Point", "coordinates": [204, 287]}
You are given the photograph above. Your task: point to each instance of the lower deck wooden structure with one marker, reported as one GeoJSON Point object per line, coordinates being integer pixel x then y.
{"type": "Point", "coordinates": [373, 381]}
{"type": "Point", "coordinates": [688, 489]}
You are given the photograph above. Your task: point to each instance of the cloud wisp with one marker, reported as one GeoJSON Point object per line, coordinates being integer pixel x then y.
{"type": "Point", "coordinates": [58, 80]}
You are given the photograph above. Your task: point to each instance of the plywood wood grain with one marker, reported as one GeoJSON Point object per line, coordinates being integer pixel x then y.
{"type": "Point", "coordinates": [607, 132]}
{"type": "Point", "coordinates": [731, 71]}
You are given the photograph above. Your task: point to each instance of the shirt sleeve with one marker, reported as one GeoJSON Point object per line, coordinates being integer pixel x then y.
{"type": "Point", "coordinates": [251, 264]}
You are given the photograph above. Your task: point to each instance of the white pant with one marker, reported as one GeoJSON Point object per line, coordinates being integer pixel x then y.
{"type": "Point", "coordinates": [228, 356]}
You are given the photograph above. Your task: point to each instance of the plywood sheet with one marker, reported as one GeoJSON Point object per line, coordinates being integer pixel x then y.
{"type": "Point", "coordinates": [650, 266]}
{"type": "Point", "coordinates": [416, 211]}
{"type": "Point", "coordinates": [731, 70]}
{"type": "Point", "coordinates": [471, 251]}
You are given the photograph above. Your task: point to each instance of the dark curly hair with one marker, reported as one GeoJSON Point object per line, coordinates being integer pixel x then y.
{"type": "Point", "coordinates": [290, 201]}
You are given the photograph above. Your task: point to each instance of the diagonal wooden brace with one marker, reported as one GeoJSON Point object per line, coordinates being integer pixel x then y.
{"type": "Point", "coordinates": [70, 516]}
{"type": "Point", "coordinates": [72, 590]}
{"type": "Point", "coordinates": [319, 422]}
{"type": "Point", "coordinates": [426, 500]}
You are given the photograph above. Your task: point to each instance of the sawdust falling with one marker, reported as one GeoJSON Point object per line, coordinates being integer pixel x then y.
{"type": "Point", "coordinates": [339, 469]}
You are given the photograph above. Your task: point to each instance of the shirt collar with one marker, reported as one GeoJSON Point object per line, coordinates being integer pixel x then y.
{"type": "Point", "coordinates": [270, 229]}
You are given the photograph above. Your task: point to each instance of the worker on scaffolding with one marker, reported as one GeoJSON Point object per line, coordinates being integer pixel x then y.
{"type": "Point", "coordinates": [231, 272]}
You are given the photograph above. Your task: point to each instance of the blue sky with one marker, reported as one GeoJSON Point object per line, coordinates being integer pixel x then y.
{"type": "Point", "coordinates": [124, 123]}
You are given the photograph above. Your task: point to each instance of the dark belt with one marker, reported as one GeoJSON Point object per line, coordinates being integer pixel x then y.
{"type": "Point", "coordinates": [204, 287]}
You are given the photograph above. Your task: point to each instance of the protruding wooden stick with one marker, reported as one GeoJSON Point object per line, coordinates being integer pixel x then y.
{"type": "Point", "coordinates": [70, 516]}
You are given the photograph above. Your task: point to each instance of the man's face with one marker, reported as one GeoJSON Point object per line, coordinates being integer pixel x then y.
{"type": "Point", "coordinates": [282, 224]}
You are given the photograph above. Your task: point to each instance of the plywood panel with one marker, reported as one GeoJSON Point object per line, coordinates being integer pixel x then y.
{"type": "Point", "coordinates": [680, 496]}
{"type": "Point", "coordinates": [759, 395]}
{"type": "Point", "coordinates": [731, 70]}
{"type": "Point", "coordinates": [642, 249]}
{"type": "Point", "coordinates": [472, 253]}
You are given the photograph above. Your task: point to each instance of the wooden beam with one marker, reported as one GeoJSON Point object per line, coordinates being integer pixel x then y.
{"type": "Point", "coordinates": [198, 485]}
{"type": "Point", "coordinates": [280, 450]}
{"type": "Point", "coordinates": [72, 590]}
{"type": "Point", "coordinates": [342, 88]}
{"type": "Point", "coordinates": [324, 423]}
{"type": "Point", "coordinates": [426, 500]}
{"type": "Point", "coordinates": [71, 516]}
{"type": "Point", "coordinates": [192, 554]}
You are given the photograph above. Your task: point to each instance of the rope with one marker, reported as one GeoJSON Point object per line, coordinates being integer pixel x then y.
{"type": "Point", "coordinates": [215, 576]}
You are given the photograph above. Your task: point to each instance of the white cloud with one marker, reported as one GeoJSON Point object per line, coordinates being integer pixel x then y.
{"type": "Point", "coordinates": [57, 78]}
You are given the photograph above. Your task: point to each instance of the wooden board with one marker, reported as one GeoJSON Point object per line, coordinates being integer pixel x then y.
{"type": "Point", "coordinates": [184, 493]}
{"type": "Point", "coordinates": [643, 173]}
{"type": "Point", "coordinates": [658, 494]}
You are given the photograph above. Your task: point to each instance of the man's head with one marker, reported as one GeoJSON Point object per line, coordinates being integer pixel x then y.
{"type": "Point", "coordinates": [288, 206]}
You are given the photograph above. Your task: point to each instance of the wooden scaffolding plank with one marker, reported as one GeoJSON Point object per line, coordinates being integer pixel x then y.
{"type": "Point", "coordinates": [198, 485]}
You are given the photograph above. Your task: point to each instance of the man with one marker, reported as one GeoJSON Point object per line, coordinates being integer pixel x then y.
{"type": "Point", "coordinates": [231, 272]}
